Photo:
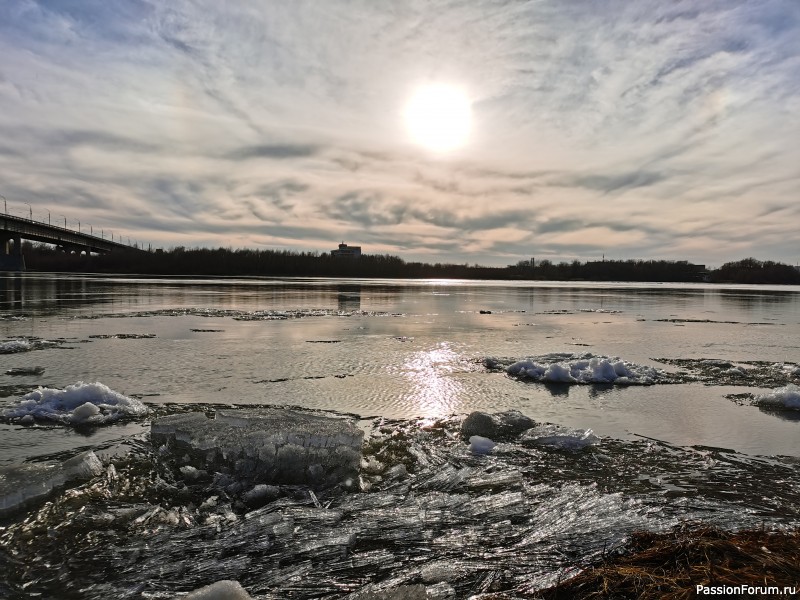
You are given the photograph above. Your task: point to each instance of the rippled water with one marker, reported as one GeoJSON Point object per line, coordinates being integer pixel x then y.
{"type": "Point", "coordinates": [408, 348]}
{"type": "Point", "coordinates": [682, 449]}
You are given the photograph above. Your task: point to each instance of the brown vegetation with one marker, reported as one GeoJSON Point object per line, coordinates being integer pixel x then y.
{"type": "Point", "coordinates": [671, 565]}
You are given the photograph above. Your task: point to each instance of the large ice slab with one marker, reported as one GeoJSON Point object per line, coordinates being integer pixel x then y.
{"type": "Point", "coordinates": [28, 484]}
{"type": "Point", "coordinates": [267, 446]}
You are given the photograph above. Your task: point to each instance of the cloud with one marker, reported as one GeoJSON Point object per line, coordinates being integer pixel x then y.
{"type": "Point", "coordinates": [614, 182]}
{"type": "Point", "coordinates": [637, 128]}
{"type": "Point", "coordinates": [276, 152]}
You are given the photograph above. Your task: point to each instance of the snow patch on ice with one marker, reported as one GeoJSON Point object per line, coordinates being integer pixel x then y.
{"type": "Point", "coordinates": [77, 404]}
{"type": "Point", "coordinates": [781, 398]}
{"type": "Point", "coordinates": [583, 369]}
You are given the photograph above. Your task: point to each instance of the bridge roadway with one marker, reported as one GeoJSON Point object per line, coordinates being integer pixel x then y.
{"type": "Point", "coordinates": [15, 229]}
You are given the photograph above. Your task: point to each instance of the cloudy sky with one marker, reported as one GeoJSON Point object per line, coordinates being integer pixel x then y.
{"type": "Point", "coordinates": [661, 129]}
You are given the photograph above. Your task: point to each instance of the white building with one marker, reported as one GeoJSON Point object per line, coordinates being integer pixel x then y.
{"type": "Point", "coordinates": [345, 250]}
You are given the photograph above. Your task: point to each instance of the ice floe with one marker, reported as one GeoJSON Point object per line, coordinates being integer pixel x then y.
{"type": "Point", "coordinates": [716, 371]}
{"type": "Point", "coordinates": [583, 369]}
{"type": "Point", "coordinates": [13, 346]}
{"type": "Point", "coordinates": [561, 438]}
{"type": "Point", "coordinates": [787, 397]}
{"type": "Point", "coordinates": [26, 344]}
{"type": "Point", "coordinates": [20, 371]}
{"type": "Point", "coordinates": [77, 404]}
{"type": "Point", "coordinates": [242, 315]}
{"type": "Point", "coordinates": [123, 336]}
{"type": "Point", "coordinates": [8, 317]}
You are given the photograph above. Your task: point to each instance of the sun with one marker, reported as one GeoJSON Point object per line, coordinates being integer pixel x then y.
{"type": "Point", "coordinates": [439, 117]}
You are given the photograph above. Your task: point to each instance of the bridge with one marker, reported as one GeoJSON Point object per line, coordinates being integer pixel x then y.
{"type": "Point", "coordinates": [14, 229]}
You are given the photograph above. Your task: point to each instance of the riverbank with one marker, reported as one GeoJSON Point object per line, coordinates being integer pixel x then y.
{"type": "Point", "coordinates": [429, 508]}
{"type": "Point", "coordinates": [747, 564]}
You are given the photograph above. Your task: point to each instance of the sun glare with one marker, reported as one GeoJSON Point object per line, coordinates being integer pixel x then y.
{"type": "Point", "coordinates": [439, 117]}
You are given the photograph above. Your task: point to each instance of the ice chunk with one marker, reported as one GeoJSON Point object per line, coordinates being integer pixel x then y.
{"type": "Point", "coordinates": [562, 438]}
{"type": "Point", "coordinates": [18, 371]}
{"type": "Point", "coordinates": [77, 404]}
{"type": "Point", "coordinates": [500, 506]}
{"type": "Point", "coordinates": [84, 412]}
{"type": "Point", "coordinates": [481, 445]}
{"type": "Point", "coordinates": [404, 592]}
{"type": "Point", "coordinates": [498, 426]}
{"type": "Point", "coordinates": [13, 346]}
{"type": "Point", "coordinates": [583, 369]}
{"type": "Point", "coordinates": [497, 480]}
{"type": "Point", "coordinates": [787, 397]}
{"type": "Point", "coordinates": [27, 484]}
{"type": "Point", "coordinates": [440, 591]}
{"type": "Point", "coordinates": [261, 494]}
{"type": "Point", "coordinates": [439, 571]}
{"type": "Point", "coordinates": [267, 446]}
{"type": "Point", "coordinates": [221, 590]}
{"type": "Point", "coordinates": [190, 473]}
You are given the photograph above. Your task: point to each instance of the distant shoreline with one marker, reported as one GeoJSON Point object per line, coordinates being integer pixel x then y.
{"type": "Point", "coordinates": [222, 262]}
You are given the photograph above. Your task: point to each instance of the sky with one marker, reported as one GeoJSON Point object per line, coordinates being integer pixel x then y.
{"type": "Point", "coordinates": [647, 129]}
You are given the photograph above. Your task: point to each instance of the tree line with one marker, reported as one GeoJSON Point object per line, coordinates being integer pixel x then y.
{"type": "Point", "coordinates": [288, 263]}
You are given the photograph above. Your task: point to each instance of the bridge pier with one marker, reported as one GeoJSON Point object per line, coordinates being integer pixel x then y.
{"type": "Point", "coordinates": [11, 258]}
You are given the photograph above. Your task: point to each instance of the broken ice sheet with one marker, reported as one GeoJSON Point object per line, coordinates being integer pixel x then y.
{"type": "Point", "coordinates": [505, 521]}
{"type": "Point", "coordinates": [498, 480]}
{"type": "Point", "coordinates": [27, 484]}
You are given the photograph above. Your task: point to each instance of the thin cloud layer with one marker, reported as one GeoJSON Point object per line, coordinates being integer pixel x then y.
{"type": "Point", "coordinates": [630, 129]}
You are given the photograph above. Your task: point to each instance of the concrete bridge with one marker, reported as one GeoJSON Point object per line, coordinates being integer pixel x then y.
{"type": "Point", "coordinates": [15, 229]}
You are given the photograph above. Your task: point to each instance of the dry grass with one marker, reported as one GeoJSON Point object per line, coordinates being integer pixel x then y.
{"type": "Point", "coordinates": [670, 565]}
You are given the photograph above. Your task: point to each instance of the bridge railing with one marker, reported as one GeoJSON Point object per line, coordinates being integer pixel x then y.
{"type": "Point", "coordinates": [56, 233]}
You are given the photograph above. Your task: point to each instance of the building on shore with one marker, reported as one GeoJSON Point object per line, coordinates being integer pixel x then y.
{"type": "Point", "coordinates": [348, 251]}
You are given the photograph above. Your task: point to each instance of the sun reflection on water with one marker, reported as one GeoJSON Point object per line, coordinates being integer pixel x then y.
{"type": "Point", "coordinates": [433, 390]}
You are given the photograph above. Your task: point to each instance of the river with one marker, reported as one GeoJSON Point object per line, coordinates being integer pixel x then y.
{"type": "Point", "coordinates": [416, 351]}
